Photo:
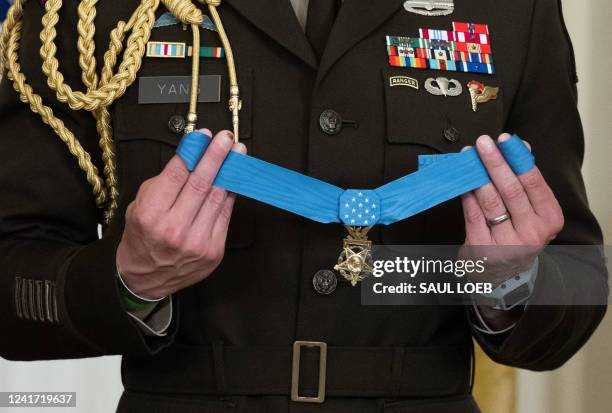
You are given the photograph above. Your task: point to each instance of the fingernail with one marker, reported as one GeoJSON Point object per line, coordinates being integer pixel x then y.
{"type": "Point", "coordinates": [465, 148]}
{"type": "Point", "coordinates": [240, 148]}
{"type": "Point", "coordinates": [528, 145]}
{"type": "Point", "coordinates": [485, 144]}
{"type": "Point", "coordinates": [206, 132]}
{"type": "Point", "coordinates": [226, 139]}
{"type": "Point", "coordinates": [504, 137]}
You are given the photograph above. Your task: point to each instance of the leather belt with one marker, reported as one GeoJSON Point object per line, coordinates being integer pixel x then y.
{"type": "Point", "coordinates": [349, 371]}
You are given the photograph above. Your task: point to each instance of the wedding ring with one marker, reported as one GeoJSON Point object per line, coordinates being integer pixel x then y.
{"type": "Point", "coordinates": [500, 219]}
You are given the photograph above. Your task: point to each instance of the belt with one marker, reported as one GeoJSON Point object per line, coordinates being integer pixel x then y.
{"type": "Point", "coordinates": [306, 371]}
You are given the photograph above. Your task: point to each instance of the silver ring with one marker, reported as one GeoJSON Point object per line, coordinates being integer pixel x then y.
{"type": "Point", "coordinates": [500, 219]}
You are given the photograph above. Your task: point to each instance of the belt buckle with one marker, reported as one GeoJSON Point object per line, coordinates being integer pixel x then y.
{"type": "Point", "coordinates": [295, 371]}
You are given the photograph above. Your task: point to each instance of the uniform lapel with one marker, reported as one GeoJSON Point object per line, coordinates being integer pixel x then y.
{"type": "Point", "coordinates": [278, 20]}
{"type": "Point", "coordinates": [357, 19]}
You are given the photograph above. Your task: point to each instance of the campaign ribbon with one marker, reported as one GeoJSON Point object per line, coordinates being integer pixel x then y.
{"type": "Point", "coordinates": [438, 179]}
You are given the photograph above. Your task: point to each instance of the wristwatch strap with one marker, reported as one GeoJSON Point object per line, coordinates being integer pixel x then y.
{"type": "Point", "coordinates": [133, 301]}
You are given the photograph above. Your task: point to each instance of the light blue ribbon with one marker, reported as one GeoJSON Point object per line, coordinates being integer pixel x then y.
{"type": "Point", "coordinates": [438, 179]}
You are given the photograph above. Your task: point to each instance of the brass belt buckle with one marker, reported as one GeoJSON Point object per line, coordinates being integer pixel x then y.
{"type": "Point", "coordinates": [295, 371]}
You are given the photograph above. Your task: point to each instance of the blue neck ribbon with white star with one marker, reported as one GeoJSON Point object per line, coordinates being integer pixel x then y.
{"type": "Point", "coordinates": [438, 179]}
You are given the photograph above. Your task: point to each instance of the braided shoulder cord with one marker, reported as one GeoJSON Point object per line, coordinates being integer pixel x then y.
{"type": "Point", "coordinates": [102, 91]}
{"type": "Point", "coordinates": [9, 47]}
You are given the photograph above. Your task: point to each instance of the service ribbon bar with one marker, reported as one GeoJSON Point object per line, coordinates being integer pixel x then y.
{"type": "Point", "coordinates": [471, 28]}
{"type": "Point", "coordinates": [441, 64]}
{"type": "Point", "coordinates": [173, 50]}
{"type": "Point", "coordinates": [399, 46]}
{"type": "Point", "coordinates": [466, 48]}
{"type": "Point", "coordinates": [212, 52]}
{"type": "Point", "coordinates": [178, 50]}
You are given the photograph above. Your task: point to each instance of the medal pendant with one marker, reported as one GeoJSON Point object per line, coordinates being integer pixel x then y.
{"type": "Point", "coordinates": [355, 261]}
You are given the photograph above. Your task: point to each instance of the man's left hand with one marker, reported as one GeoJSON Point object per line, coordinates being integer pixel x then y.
{"type": "Point", "coordinates": [535, 216]}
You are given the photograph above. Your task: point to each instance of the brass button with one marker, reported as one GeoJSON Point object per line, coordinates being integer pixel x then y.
{"type": "Point", "coordinates": [325, 282]}
{"type": "Point", "coordinates": [176, 124]}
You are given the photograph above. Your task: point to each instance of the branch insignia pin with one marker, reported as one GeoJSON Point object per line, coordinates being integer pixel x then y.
{"type": "Point", "coordinates": [481, 93]}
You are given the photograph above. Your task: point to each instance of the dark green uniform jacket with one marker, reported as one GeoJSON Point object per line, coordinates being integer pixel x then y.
{"type": "Point", "coordinates": [229, 346]}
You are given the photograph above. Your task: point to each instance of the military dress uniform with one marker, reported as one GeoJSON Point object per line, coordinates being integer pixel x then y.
{"type": "Point", "coordinates": [333, 116]}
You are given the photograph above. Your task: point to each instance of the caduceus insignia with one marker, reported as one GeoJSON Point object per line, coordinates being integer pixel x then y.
{"type": "Point", "coordinates": [481, 93]}
{"type": "Point", "coordinates": [355, 261]}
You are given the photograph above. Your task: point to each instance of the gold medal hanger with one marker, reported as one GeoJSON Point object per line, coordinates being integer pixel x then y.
{"type": "Point", "coordinates": [113, 80]}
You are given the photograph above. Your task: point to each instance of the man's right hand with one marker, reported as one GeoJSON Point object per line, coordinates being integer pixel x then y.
{"type": "Point", "coordinates": [176, 228]}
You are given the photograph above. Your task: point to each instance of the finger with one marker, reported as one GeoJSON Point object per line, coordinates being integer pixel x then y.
{"type": "Point", "coordinates": [505, 181]}
{"type": "Point", "coordinates": [219, 231]}
{"type": "Point", "coordinates": [477, 231]}
{"type": "Point", "coordinates": [200, 181]}
{"type": "Point", "coordinates": [540, 194]}
{"type": "Point", "coordinates": [169, 183]}
{"type": "Point", "coordinates": [220, 228]}
{"type": "Point", "coordinates": [209, 212]}
{"type": "Point", "coordinates": [493, 207]}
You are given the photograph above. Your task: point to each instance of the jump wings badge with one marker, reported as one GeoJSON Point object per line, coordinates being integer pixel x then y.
{"type": "Point", "coordinates": [355, 261]}
{"type": "Point", "coordinates": [481, 93]}
{"type": "Point", "coordinates": [441, 86]}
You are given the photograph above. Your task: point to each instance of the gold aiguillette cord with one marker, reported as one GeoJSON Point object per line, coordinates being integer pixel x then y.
{"type": "Point", "coordinates": [235, 104]}
{"type": "Point", "coordinates": [127, 39]}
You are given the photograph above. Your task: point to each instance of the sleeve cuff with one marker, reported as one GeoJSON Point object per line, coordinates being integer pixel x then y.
{"type": "Point", "coordinates": [154, 322]}
{"type": "Point", "coordinates": [537, 320]}
{"type": "Point", "coordinates": [93, 306]}
{"type": "Point", "coordinates": [482, 326]}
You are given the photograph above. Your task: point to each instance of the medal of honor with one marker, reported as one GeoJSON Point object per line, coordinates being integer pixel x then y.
{"type": "Point", "coordinates": [438, 179]}
{"type": "Point", "coordinates": [355, 260]}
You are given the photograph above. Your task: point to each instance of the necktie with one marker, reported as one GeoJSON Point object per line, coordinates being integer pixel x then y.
{"type": "Point", "coordinates": [321, 17]}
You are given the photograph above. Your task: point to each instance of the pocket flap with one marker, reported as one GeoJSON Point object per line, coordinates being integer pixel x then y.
{"type": "Point", "coordinates": [443, 123]}
{"type": "Point", "coordinates": [134, 121]}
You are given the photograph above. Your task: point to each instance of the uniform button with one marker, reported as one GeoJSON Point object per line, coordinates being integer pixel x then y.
{"type": "Point", "coordinates": [325, 282]}
{"type": "Point", "coordinates": [330, 122]}
{"type": "Point", "coordinates": [176, 124]}
{"type": "Point", "coordinates": [452, 134]}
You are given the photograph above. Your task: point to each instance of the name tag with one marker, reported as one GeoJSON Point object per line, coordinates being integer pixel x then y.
{"type": "Point", "coordinates": [177, 89]}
